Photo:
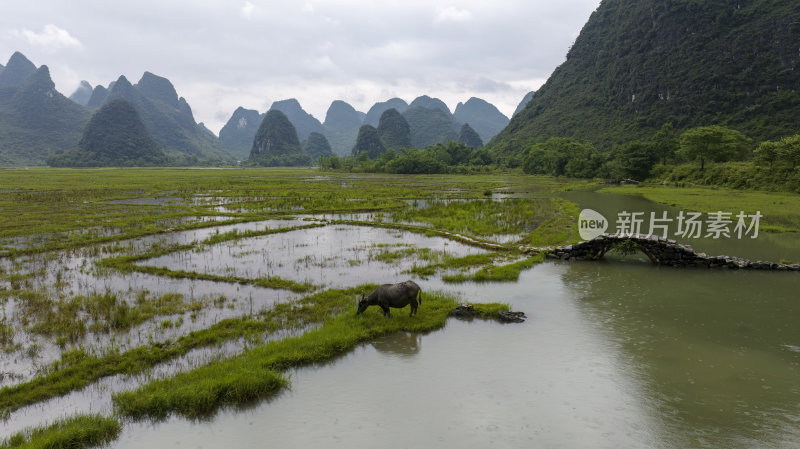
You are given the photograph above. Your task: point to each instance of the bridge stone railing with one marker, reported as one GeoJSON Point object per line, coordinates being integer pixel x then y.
{"type": "Point", "coordinates": [660, 251]}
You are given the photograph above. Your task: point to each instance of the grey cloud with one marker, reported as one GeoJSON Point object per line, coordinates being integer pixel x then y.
{"type": "Point", "coordinates": [358, 51]}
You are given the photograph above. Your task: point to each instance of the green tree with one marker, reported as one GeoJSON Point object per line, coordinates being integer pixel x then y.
{"type": "Point", "coordinates": [791, 150]}
{"type": "Point", "coordinates": [636, 159]}
{"type": "Point", "coordinates": [565, 156]}
{"type": "Point", "coordinates": [416, 162]}
{"type": "Point", "coordinates": [481, 156]}
{"type": "Point", "coordinates": [714, 143]}
{"type": "Point", "coordinates": [664, 143]}
{"type": "Point", "coordinates": [450, 153]}
{"type": "Point", "coordinates": [769, 152]}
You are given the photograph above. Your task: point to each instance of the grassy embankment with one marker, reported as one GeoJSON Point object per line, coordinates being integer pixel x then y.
{"type": "Point", "coordinates": [257, 372]}
{"type": "Point", "coordinates": [501, 273]}
{"type": "Point", "coordinates": [75, 432]}
{"type": "Point", "coordinates": [781, 211]}
{"type": "Point", "coordinates": [754, 175]}
{"type": "Point", "coordinates": [77, 368]}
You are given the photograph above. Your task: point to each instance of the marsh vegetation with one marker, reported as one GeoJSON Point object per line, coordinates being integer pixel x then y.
{"type": "Point", "coordinates": [130, 297]}
{"type": "Point", "coordinates": [109, 273]}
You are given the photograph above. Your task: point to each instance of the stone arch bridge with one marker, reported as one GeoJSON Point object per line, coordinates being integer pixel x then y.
{"type": "Point", "coordinates": [660, 251]}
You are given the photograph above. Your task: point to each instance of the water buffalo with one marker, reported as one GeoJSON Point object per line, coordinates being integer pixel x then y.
{"type": "Point", "coordinates": [393, 295]}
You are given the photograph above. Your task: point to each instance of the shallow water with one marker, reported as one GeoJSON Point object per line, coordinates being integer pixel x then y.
{"type": "Point", "coordinates": [330, 256]}
{"type": "Point", "coordinates": [614, 354]}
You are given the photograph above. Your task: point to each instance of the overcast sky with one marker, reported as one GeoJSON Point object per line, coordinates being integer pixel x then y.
{"type": "Point", "coordinates": [221, 54]}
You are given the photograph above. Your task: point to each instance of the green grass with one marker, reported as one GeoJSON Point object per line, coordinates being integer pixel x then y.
{"type": "Point", "coordinates": [448, 262]}
{"type": "Point", "coordinates": [560, 226]}
{"type": "Point", "coordinates": [481, 218]}
{"type": "Point", "coordinates": [72, 317]}
{"type": "Point", "coordinates": [467, 240]}
{"type": "Point", "coordinates": [6, 334]}
{"type": "Point", "coordinates": [127, 263]}
{"type": "Point", "coordinates": [501, 273]}
{"type": "Point", "coordinates": [781, 211]}
{"type": "Point", "coordinates": [72, 208]}
{"type": "Point", "coordinates": [256, 373]}
{"type": "Point", "coordinates": [80, 431]}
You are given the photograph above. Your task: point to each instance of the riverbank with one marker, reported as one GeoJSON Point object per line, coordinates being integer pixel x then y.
{"type": "Point", "coordinates": [781, 211]}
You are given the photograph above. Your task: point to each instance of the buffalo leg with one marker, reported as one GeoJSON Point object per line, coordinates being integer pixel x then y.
{"type": "Point", "coordinates": [385, 310]}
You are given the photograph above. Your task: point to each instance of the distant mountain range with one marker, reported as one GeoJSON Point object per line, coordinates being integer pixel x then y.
{"type": "Point", "coordinates": [430, 120]}
{"type": "Point", "coordinates": [37, 121]}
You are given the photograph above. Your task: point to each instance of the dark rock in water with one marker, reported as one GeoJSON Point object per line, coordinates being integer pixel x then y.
{"type": "Point", "coordinates": [468, 312]}
{"type": "Point", "coordinates": [464, 311]}
{"type": "Point", "coordinates": [511, 317]}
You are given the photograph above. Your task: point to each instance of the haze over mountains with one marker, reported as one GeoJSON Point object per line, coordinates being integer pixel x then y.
{"type": "Point", "coordinates": [430, 120]}
{"type": "Point", "coordinates": [36, 121]}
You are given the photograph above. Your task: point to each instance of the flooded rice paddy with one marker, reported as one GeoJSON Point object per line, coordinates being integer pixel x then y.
{"type": "Point", "coordinates": [616, 354]}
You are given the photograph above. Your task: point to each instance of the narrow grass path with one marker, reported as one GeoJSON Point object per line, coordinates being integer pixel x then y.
{"type": "Point", "coordinates": [79, 431]}
{"type": "Point", "coordinates": [257, 373]}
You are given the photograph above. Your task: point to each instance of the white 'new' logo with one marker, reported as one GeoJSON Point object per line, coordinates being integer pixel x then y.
{"type": "Point", "coordinates": [591, 224]}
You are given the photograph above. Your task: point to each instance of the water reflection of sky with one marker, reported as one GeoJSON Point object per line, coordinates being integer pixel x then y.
{"type": "Point", "coordinates": [332, 256]}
